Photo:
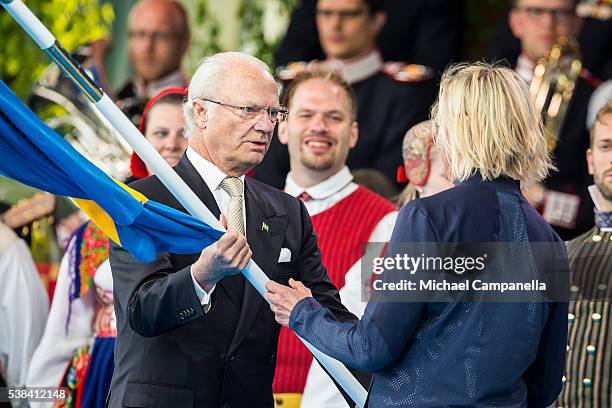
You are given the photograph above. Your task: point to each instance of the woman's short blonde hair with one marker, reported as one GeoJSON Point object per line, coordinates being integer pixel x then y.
{"type": "Point", "coordinates": [489, 124]}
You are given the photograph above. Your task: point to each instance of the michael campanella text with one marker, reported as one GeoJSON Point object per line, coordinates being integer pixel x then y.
{"type": "Point", "coordinates": [467, 284]}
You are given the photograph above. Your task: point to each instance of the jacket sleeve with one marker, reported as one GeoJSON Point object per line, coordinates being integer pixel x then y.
{"type": "Point", "coordinates": [543, 377]}
{"type": "Point", "coordinates": [379, 339]}
{"type": "Point", "coordinates": [313, 274]}
{"type": "Point", "coordinates": [153, 299]}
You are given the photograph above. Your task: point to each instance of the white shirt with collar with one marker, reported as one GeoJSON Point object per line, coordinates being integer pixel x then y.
{"type": "Point", "coordinates": [359, 68]}
{"type": "Point", "coordinates": [213, 177]}
{"type": "Point", "coordinates": [319, 390]}
{"type": "Point", "coordinates": [174, 79]}
{"type": "Point", "coordinates": [325, 195]}
{"type": "Point", "coordinates": [524, 68]}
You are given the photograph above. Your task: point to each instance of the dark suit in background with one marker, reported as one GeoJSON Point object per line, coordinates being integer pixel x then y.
{"type": "Point", "coordinates": [169, 352]}
{"type": "Point", "coordinates": [426, 32]}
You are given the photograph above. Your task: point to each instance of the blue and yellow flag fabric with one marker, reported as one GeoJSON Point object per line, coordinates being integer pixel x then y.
{"type": "Point", "coordinates": [33, 154]}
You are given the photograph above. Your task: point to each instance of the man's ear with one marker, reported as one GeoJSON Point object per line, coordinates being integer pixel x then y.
{"type": "Point", "coordinates": [282, 133]}
{"type": "Point", "coordinates": [577, 27]}
{"type": "Point", "coordinates": [515, 23]}
{"type": "Point", "coordinates": [185, 44]}
{"type": "Point", "coordinates": [380, 18]}
{"type": "Point", "coordinates": [354, 137]}
{"type": "Point", "coordinates": [200, 113]}
{"type": "Point", "coordinates": [589, 157]}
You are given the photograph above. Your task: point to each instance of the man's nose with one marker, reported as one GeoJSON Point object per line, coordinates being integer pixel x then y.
{"type": "Point", "coordinates": [264, 123]}
{"type": "Point", "coordinates": [148, 42]}
{"type": "Point", "coordinates": [336, 20]}
{"type": "Point", "coordinates": [548, 20]}
{"type": "Point", "coordinates": [318, 123]}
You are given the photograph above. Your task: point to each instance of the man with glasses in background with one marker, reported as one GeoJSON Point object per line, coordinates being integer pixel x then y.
{"type": "Point", "coordinates": [158, 37]}
{"type": "Point", "coordinates": [563, 198]}
{"type": "Point", "coordinates": [391, 97]}
{"type": "Point", "coordinates": [191, 331]}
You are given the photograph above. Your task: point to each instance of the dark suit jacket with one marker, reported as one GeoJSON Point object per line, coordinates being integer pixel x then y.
{"type": "Point", "coordinates": [426, 32]}
{"type": "Point", "coordinates": [169, 352]}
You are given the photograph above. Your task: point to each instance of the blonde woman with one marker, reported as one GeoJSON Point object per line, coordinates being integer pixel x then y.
{"type": "Point", "coordinates": [451, 353]}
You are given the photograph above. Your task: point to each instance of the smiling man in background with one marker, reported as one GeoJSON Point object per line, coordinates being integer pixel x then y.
{"type": "Point", "coordinates": [320, 131]}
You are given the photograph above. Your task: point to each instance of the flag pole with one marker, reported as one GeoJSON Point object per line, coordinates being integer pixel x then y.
{"type": "Point", "coordinates": [188, 199]}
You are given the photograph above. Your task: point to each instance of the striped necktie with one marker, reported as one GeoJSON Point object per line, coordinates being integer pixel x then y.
{"type": "Point", "coordinates": [235, 217]}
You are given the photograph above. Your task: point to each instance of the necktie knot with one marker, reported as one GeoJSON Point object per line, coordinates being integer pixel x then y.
{"type": "Point", "coordinates": [304, 197]}
{"type": "Point", "coordinates": [233, 186]}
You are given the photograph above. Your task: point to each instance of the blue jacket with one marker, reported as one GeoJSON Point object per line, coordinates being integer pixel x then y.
{"type": "Point", "coordinates": [460, 354]}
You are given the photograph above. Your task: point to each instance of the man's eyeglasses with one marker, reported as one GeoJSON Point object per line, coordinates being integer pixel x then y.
{"type": "Point", "coordinates": [342, 14]}
{"type": "Point", "coordinates": [255, 112]}
{"type": "Point", "coordinates": [156, 36]}
{"type": "Point", "coordinates": [558, 14]}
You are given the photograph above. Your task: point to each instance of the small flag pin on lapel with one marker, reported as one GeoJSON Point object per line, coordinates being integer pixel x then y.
{"type": "Point", "coordinates": [264, 227]}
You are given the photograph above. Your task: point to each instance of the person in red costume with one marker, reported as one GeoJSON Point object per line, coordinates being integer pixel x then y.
{"type": "Point", "coordinates": [320, 131]}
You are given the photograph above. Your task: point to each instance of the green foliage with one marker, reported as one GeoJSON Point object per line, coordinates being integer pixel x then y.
{"type": "Point", "coordinates": [256, 37]}
{"type": "Point", "coordinates": [205, 30]}
{"type": "Point", "coordinates": [73, 22]}
{"type": "Point", "coordinates": [253, 37]}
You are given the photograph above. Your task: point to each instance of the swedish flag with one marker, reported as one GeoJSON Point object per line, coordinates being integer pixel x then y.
{"type": "Point", "coordinates": [33, 154]}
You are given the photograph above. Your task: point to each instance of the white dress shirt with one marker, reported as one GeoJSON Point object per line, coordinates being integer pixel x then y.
{"type": "Point", "coordinates": [525, 67]}
{"type": "Point", "coordinates": [359, 68]}
{"type": "Point", "coordinates": [213, 177]}
{"type": "Point", "coordinates": [174, 79]}
{"type": "Point", "coordinates": [319, 390]}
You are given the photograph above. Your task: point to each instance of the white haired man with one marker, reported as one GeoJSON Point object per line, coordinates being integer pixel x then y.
{"type": "Point", "coordinates": [191, 331]}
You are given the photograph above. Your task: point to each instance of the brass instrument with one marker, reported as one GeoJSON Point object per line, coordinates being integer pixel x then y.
{"type": "Point", "coordinates": [553, 84]}
{"type": "Point", "coordinates": [65, 110]}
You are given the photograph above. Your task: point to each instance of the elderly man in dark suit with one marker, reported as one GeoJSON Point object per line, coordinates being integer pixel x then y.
{"type": "Point", "coordinates": [191, 330]}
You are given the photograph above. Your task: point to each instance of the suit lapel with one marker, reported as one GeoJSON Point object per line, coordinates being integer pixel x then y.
{"type": "Point", "coordinates": [188, 172]}
{"type": "Point", "coordinates": [265, 232]}
{"type": "Point", "coordinates": [232, 285]}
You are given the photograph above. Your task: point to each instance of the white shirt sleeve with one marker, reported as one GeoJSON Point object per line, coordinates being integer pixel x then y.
{"type": "Point", "coordinates": [23, 310]}
{"type": "Point", "coordinates": [201, 293]}
{"type": "Point", "coordinates": [60, 341]}
{"type": "Point", "coordinates": [320, 391]}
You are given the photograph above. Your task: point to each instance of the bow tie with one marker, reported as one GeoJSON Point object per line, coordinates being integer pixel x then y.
{"type": "Point", "coordinates": [603, 219]}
